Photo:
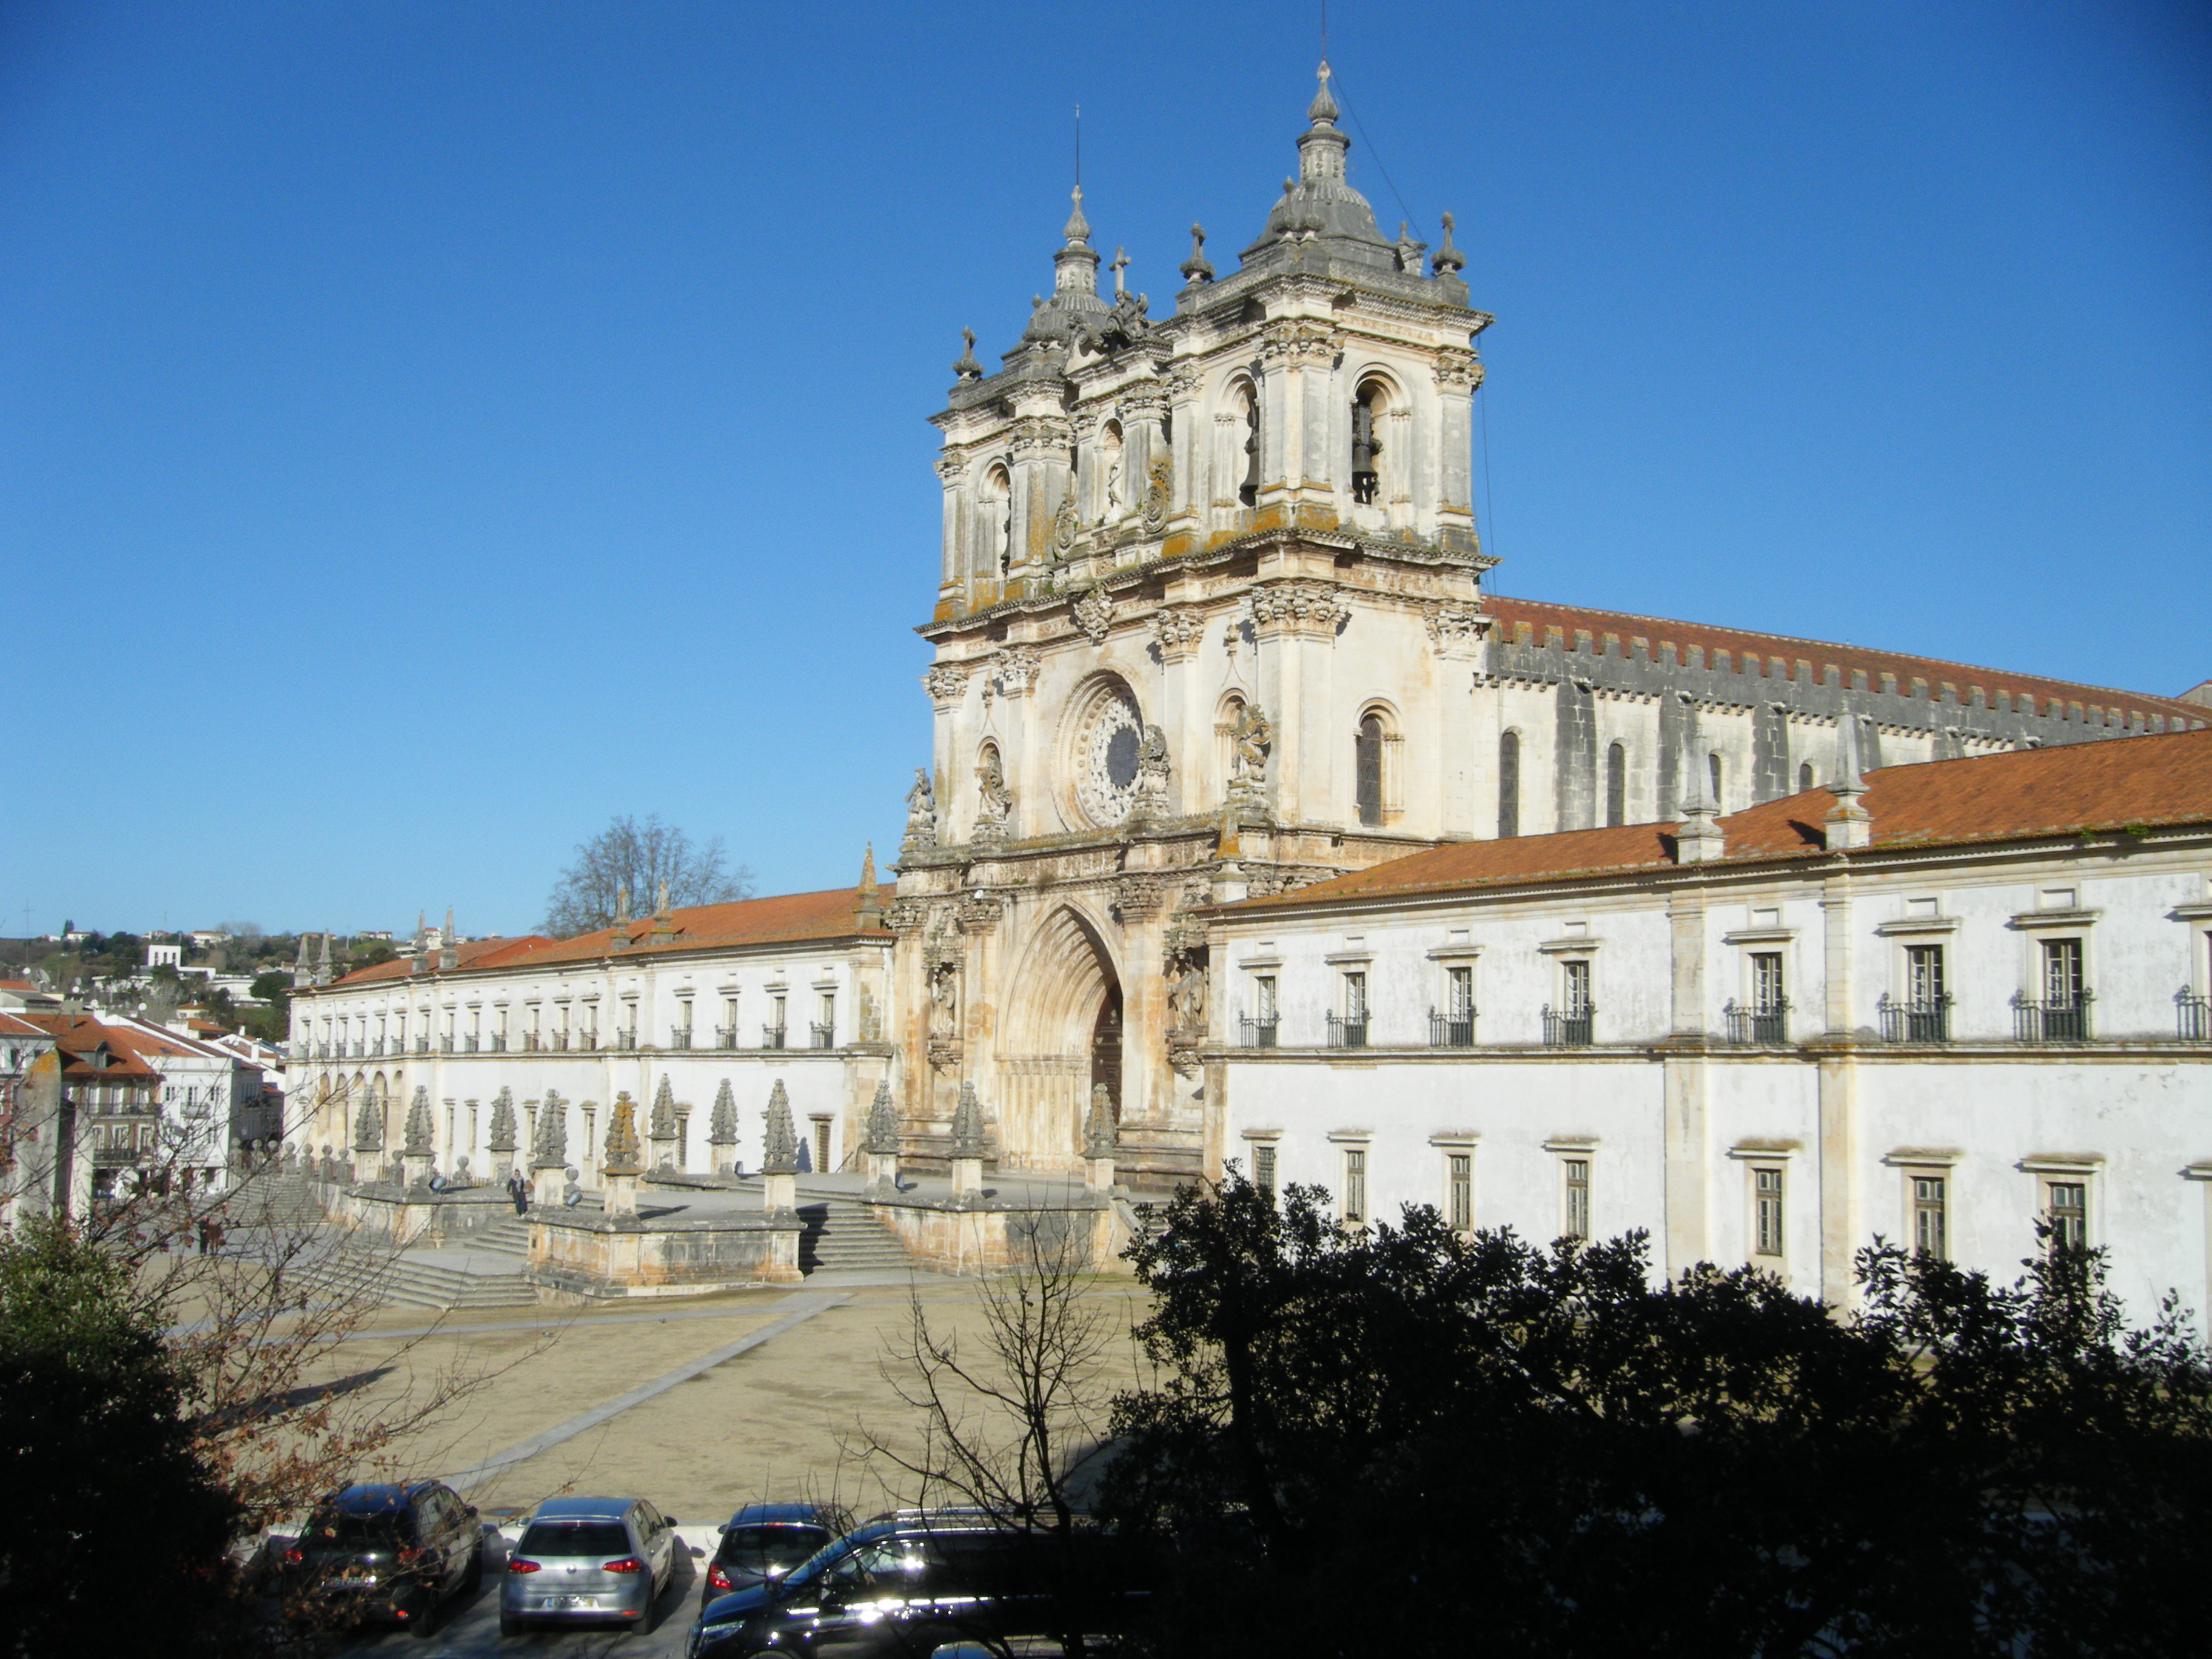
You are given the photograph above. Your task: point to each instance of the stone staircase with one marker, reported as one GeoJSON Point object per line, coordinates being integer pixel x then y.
{"type": "Point", "coordinates": [842, 1235]}
{"type": "Point", "coordinates": [426, 1279]}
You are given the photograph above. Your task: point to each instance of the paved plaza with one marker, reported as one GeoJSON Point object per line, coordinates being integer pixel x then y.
{"type": "Point", "coordinates": [701, 1405]}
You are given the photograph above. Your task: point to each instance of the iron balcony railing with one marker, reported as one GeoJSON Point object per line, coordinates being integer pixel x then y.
{"type": "Point", "coordinates": [361, 1047]}
{"type": "Point", "coordinates": [587, 1041]}
{"type": "Point", "coordinates": [470, 1043]}
{"type": "Point", "coordinates": [626, 1039]}
{"type": "Point", "coordinates": [499, 1042]}
{"type": "Point", "coordinates": [771, 1037]}
{"type": "Point", "coordinates": [1451, 1030]}
{"type": "Point", "coordinates": [1761, 1027]}
{"type": "Point", "coordinates": [529, 1043]}
{"type": "Point", "coordinates": [421, 1045]}
{"type": "Point", "coordinates": [1253, 1033]}
{"type": "Point", "coordinates": [1928, 1020]}
{"type": "Point", "coordinates": [679, 1036]}
{"type": "Point", "coordinates": [1347, 1030]}
{"type": "Point", "coordinates": [825, 1036]}
{"type": "Point", "coordinates": [445, 1045]}
{"type": "Point", "coordinates": [1573, 1029]}
{"type": "Point", "coordinates": [2193, 1017]}
{"type": "Point", "coordinates": [376, 1049]}
{"type": "Point", "coordinates": [725, 1036]}
{"type": "Point", "coordinates": [2064, 1019]}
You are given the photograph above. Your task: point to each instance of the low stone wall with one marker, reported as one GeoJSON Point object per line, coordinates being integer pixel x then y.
{"type": "Point", "coordinates": [988, 1239]}
{"type": "Point", "coordinates": [591, 1256]}
{"type": "Point", "coordinates": [415, 1215]}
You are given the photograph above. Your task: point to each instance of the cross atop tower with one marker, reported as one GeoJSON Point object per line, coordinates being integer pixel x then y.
{"type": "Point", "coordinates": [1117, 265]}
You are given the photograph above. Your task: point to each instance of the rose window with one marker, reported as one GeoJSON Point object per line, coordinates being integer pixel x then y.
{"type": "Point", "coordinates": [1106, 755]}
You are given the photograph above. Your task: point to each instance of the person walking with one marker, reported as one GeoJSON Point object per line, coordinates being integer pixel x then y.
{"type": "Point", "coordinates": [519, 1190]}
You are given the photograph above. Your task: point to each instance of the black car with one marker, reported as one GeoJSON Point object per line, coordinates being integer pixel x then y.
{"type": "Point", "coordinates": [386, 1552]}
{"type": "Point", "coordinates": [763, 1541]}
{"type": "Point", "coordinates": [900, 1588]}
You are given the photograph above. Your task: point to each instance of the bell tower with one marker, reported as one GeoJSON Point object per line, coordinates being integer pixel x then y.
{"type": "Point", "coordinates": [1207, 582]}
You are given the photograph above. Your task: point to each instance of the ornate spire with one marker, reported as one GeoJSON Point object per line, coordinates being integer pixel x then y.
{"type": "Point", "coordinates": [502, 1122]}
{"type": "Point", "coordinates": [551, 1149]}
{"type": "Point", "coordinates": [663, 1111]}
{"type": "Point", "coordinates": [1197, 268]}
{"type": "Point", "coordinates": [623, 1155]}
{"type": "Point", "coordinates": [883, 1123]}
{"type": "Point", "coordinates": [1323, 111]}
{"type": "Point", "coordinates": [968, 1124]}
{"type": "Point", "coordinates": [1699, 838]}
{"type": "Point", "coordinates": [1098, 1126]}
{"type": "Point", "coordinates": [780, 1153]}
{"type": "Point", "coordinates": [1077, 229]}
{"type": "Point", "coordinates": [421, 1138]}
{"type": "Point", "coordinates": [722, 1127]}
{"type": "Point", "coordinates": [1075, 267]}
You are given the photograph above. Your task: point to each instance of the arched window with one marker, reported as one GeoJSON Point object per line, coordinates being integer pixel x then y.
{"type": "Point", "coordinates": [1616, 785]}
{"type": "Point", "coordinates": [1509, 784]}
{"type": "Point", "coordinates": [1805, 776]}
{"type": "Point", "coordinates": [1367, 769]}
{"type": "Point", "coordinates": [1713, 767]}
{"type": "Point", "coordinates": [1249, 404]}
{"type": "Point", "coordinates": [1367, 407]}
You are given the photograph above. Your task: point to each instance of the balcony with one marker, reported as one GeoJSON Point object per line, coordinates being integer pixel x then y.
{"type": "Point", "coordinates": [823, 1036]}
{"type": "Point", "coordinates": [2193, 1017]}
{"type": "Point", "coordinates": [679, 1036]}
{"type": "Point", "coordinates": [499, 1042]}
{"type": "Point", "coordinates": [1257, 1033]}
{"type": "Point", "coordinates": [361, 1047]}
{"type": "Point", "coordinates": [771, 1037]}
{"type": "Point", "coordinates": [376, 1049]}
{"type": "Point", "coordinates": [421, 1045]}
{"type": "Point", "coordinates": [1455, 1031]}
{"type": "Point", "coordinates": [587, 1042]}
{"type": "Point", "coordinates": [725, 1036]}
{"type": "Point", "coordinates": [560, 1043]}
{"type": "Point", "coordinates": [1574, 1029]}
{"type": "Point", "coordinates": [1759, 1027]}
{"type": "Point", "coordinates": [322, 1051]}
{"type": "Point", "coordinates": [445, 1045]}
{"type": "Point", "coordinates": [469, 1043]}
{"type": "Point", "coordinates": [1347, 1030]}
{"type": "Point", "coordinates": [1926, 1021]}
{"type": "Point", "coordinates": [626, 1039]}
{"type": "Point", "coordinates": [2064, 1019]}
{"type": "Point", "coordinates": [529, 1043]}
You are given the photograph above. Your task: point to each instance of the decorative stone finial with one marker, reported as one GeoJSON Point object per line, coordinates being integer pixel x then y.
{"type": "Point", "coordinates": [449, 948]}
{"type": "Point", "coordinates": [1078, 227]}
{"type": "Point", "coordinates": [551, 1150]}
{"type": "Point", "coordinates": [1197, 268]}
{"type": "Point", "coordinates": [723, 1124]}
{"type": "Point", "coordinates": [781, 1152]}
{"type": "Point", "coordinates": [1847, 822]}
{"type": "Point", "coordinates": [965, 366]}
{"type": "Point", "coordinates": [1699, 838]}
{"type": "Point", "coordinates": [1323, 111]}
{"type": "Point", "coordinates": [1098, 1126]}
{"type": "Point", "coordinates": [663, 1111]}
{"type": "Point", "coordinates": [1117, 265]}
{"type": "Point", "coordinates": [883, 1122]}
{"type": "Point", "coordinates": [1447, 260]}
{"type": "Point", "coordinates": [661, 899]}
{"type": "Point", "coordinates": [624, 1157]}
{"type": "Point", "coordinates": [502, 1122]}
{"type": "Point", "coordinates": [368, 1125]}
{"type": "Point", "coordinates": [419, 1142]}
{"type": "Point", "coordinates": [968, 1124]}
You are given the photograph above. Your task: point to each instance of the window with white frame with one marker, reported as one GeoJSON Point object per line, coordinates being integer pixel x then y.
{"type": "Point", "coordinates": [1459, 1190]}
{"type": "Point", "coordinates": [2066, 1210]}
{"type": "Point", "coordinates": [1354, 1208]}
{"type": "Point", "coordinates": [1575, 1197]}
{"type": "Point", "coordinates": [1929, 1197]}
{"type": "Point", "coordinates": [1766, 1202]}
{"type": "Point", "coordinates": [1263, 1170]}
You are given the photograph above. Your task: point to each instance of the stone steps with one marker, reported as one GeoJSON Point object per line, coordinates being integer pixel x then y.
{"type": "Point", "coordinates": [413, 1282]}
{"type": "Point", "coordinates": [842, 1235]}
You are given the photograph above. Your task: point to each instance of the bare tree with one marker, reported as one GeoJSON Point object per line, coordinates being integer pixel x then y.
{"type": "Point", "coordinates": [634, 857]}
{"type": "Point", "coordinates": [1014, 1427]}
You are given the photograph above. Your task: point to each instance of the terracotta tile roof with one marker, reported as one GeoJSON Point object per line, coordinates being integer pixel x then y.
{"type": "Point", "coordinates": [477, 953]}
{"type": "Point", "coordinates": [15, 1025]}
{"type": "Point", "coordinates": [77, 1035]}
{"type": "Point", "coordinates": [781, 918]}
{"type": "Point", "coordinates": [1761, 648]}
{"type": "Point", "coordinates": [2163, 778]}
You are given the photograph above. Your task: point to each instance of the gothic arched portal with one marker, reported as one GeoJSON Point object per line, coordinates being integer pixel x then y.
{"type": "Point", "coordinates": [1062, 1034]}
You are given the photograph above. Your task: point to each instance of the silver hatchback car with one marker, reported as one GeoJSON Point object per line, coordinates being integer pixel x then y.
{"type": "Point", "coordinates": [590, 1559]}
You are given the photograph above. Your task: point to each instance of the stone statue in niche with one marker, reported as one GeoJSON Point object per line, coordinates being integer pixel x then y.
{"type": "Point", "coordinates": [1251, 740]}
{"type": "Point", "coordinates": [922, 811]}
{"type": "Point", "coordinates": [995, 801]}
{"type": "Point", "coordinates": [1114, 484]}
{"type": "Point", "coordinates": [1186, 996]}
{"type": "Point", "coordinates": [1157, 494]}
{"type": "Point", "coordinates": [944, 997]}
{"type": "Point", "coordinates": [1002, 532]}
{"type": "Point", "coordinates": [1153, 770]}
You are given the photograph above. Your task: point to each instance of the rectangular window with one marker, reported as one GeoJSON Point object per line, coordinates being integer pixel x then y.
{"type": "Point", "coordinates": [2066, 1207]}
{"type": "Point", "coordinates": [1766, 981]}
{"type": "Point", "coordinates": [822, 1146]}
{"type": "Point", "coordinates": [1260, 1024]}
{"type": "Point", "coordinates": [2062, 972]}
{"type": "Point", "coordinates": [1766, 1203]}
{"type": "Point", "coordinates": [1576, 1218]}
{"type": "Point", "coordinates": [1924, 975]}
{"type": "Point", "coordinates": [1355, 1184]}
{"type": "Point", "coordinates": [1460, 993]}
{"type": "Point", "coordinates": [1929, 1228]}
{"type": "Point", "coordinates": [1577, 995]}
{"type": "Point", "coordinates": [1349, 1029]}
{"type": "Point", "coordinates": [1263, 1172]}
{"type": "Point", "coordinates": [1459, 1182]}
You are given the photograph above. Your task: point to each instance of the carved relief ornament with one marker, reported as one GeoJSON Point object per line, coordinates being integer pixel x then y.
{"type": "Point", "coordinates": [1454, 624]}
{"type": "Point", "coordinates": [1094, 614]}
{"type": "Point", "coordinates": [1014, 670]}
{"type": "Point", "coordinates": [945, 682]}
{"type": "Point", "coordinates": [1300, 607]}
{"type": "Point", "coordinates": [1177, 632]}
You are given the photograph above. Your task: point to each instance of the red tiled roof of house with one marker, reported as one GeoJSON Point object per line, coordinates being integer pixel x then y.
{"type": "Point", "coordinates": [77, 1035]}
{"type": "Point", "coordinates": [2160, 780]}
{"type": "Point", "coordinates": [781, 918]}
{"type": "Point", "coordinates": [1744, 647]}
{"type": "Point", "coordinates": [16, 1025]}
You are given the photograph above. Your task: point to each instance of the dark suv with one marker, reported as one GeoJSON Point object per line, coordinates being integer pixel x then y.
{"type": "Point", "coordinates": [900, 1588]}
{"type": "Point", "coordinates": [387, 1552]}
{"type": "Point", "coordinates": [763, 1541]}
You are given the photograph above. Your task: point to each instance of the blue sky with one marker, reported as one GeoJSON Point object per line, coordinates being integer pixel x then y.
{"type": "Point", "coordinates": [428, 429]}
